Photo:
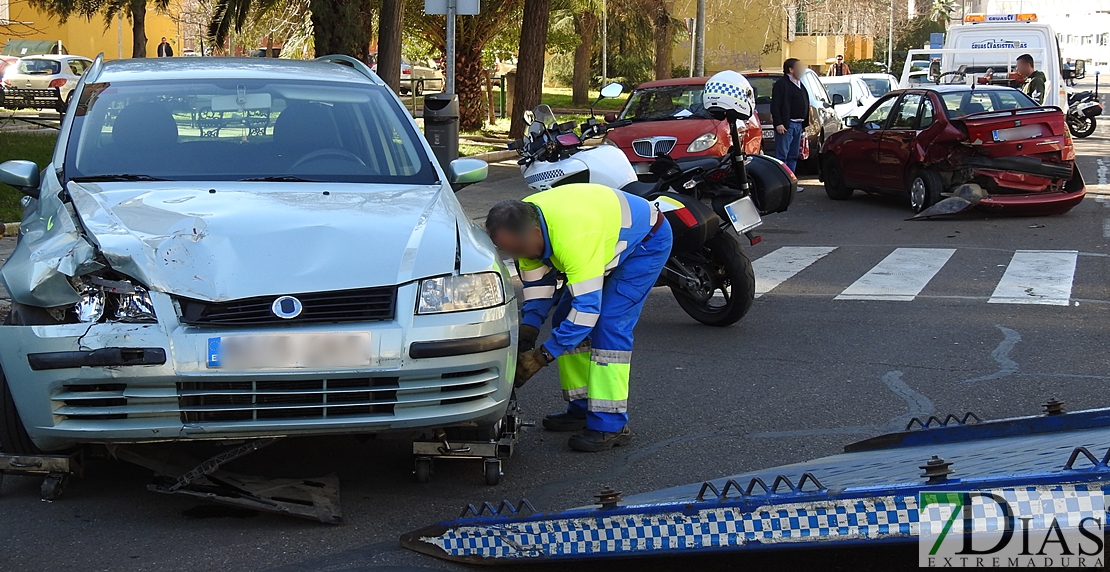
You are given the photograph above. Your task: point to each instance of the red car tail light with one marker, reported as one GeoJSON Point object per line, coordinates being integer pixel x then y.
{"type": "Point", "coordinates": [57, 82]}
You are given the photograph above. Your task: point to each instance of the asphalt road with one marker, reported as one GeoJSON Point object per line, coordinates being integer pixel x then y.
{"type": "Point", "coordinates": [803, 374]}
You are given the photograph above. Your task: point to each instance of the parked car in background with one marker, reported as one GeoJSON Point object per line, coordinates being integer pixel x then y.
{"type": "Point", "coordinates": [880, 84]}
{"type": "Point", "coordinates": [432, 77]}
{"type": "Point", "coordinates": [178, 282]}
{"type": "Point", "coordinates": [823, 120]}
{"type": "Point", "coordinates": [42, 82]}
{"type": "Point", "coordinates": [667, 117]}
{"type": "Point", "coordinates": [992, 147]}
{"type": "Point", "coordinates": [22, 48]}
{"type": "Point", "coordinates": [850, 94]}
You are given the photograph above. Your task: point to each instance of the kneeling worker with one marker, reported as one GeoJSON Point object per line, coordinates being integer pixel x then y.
{"type": "Point", "coordinates": [611, 246]}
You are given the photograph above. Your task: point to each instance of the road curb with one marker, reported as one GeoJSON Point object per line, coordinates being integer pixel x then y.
{"type": "Point", "coordinates": [10, 229]}
{"type": "Point", "coordinates": [494, 156]}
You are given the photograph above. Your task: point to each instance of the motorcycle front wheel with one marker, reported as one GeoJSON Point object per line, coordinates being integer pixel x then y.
{"type": "Point", "coordinates": [725, 285]}
{"type": "Point", "coordinates": [1081, 127]}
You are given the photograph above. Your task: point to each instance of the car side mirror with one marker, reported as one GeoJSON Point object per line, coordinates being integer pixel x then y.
{"type": "Point", "coordinates": [463, 172]}
{"type": "Point", "coordinates": [23, 175]}
{"type": "Point", "coordinates": [610, 117]}
{"type": "Point", "coordinates": [852, 121]}
{"type": "Point", "coordinates": [838, 99]}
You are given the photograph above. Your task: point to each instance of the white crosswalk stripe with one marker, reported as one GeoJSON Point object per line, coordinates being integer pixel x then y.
{"type": "Point", "coordinates": [1037, 277]}
{"type": "Point", "coordinates": [900, 276]}
{"type": "Point", "coordinates": [780, 265]}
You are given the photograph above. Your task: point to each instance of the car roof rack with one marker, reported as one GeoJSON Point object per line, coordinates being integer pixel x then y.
{"type": "Point", "coordinates": [351, 63]}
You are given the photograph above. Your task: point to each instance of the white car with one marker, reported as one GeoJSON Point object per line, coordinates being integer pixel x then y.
{"type": "Point", "coordinates": [850, 95]}
{"type": "Point", "coordinates": [42, 82]}
{"type": "Point", "coordinates": [879, 83]}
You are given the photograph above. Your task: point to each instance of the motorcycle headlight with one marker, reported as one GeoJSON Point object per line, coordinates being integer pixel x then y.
{"type": "Point", "coordinates": [702, 143]}
{"type": "Point", "coordinates": [120, 300]}
{"type": "Point", "coordinates": [459, 293]}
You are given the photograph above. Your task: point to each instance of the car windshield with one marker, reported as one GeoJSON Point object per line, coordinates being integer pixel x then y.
{"type": "Point", "coordinates": [879, 87]}
{"type": "Point", "coordinates": [667, 102]}
{"type": "Point", "coordinates": [842, 89]}
{"type": "Point", "coordinates": [762, 86]}
{"type": "Point", "coordinates": [40, 67]}
{"type": "Point", "coordinates": [244, 129]}
{"type": "Point", "coordinates": [961, 103]}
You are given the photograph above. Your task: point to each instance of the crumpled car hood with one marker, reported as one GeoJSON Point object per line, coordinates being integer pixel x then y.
{"type": "Point", "coordinates": [250, 239]}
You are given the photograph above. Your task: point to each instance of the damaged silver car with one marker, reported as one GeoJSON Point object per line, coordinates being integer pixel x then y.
{"type": "Point", "coordinates": [246, 248]}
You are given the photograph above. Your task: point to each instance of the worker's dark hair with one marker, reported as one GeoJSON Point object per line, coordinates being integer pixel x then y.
{"type": "Point", "coordinates": [789, 63]}
{"type": "Point", "coordinates": [1027, 59]}
{"type": "Point", "coordinates": [517, 217]}
{"type": "Point", "coordinates": [839, 55]}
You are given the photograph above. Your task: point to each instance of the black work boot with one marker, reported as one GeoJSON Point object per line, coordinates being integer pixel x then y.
{"type": "Point", "coordinates": [592, 441]}
{"type": "Point", "coordinates": [565, 421]}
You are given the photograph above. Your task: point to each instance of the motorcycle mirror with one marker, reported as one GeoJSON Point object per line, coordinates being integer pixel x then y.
{"type": "Point", "coordinates": [529, 117]}
{"type": "Point", "coordinates": [612, 90]}
{"type": "Point", "coordinates": [610, 117]}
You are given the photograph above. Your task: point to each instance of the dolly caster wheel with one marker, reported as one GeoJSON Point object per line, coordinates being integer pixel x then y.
{"type": "Point", "coordinates": [423, 470]}
{"type": "Point", "coordinates": [492, 470]}
{"type": "Point", "coordinates": [53, 486]}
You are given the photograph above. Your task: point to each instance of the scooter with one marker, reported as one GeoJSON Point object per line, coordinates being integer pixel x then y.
{"type": "Point", "coordinates": [1083, 107]}
{"type": "Point", "coordinates": [708, 272]}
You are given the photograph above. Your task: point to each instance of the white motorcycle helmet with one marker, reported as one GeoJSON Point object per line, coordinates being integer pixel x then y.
{"type": "Point", "coordinates": [728, 95]}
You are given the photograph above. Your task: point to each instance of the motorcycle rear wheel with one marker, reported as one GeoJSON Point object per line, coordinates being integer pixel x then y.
{"type": "Point", "coordinates": [728, 284]}
{"type": "Point", "coordinates": [1081, 127]}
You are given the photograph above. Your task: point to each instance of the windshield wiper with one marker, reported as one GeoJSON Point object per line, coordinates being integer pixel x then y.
{"type": "Point", "coordinates": [279, 179]}
{"type": "Point", "coordinates": [113, 178]}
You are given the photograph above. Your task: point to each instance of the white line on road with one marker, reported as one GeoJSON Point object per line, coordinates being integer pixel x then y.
{"type": "Point", "coordinates": [1037, 277]}
{"type": "Point", "coordinates": [900, 277]}
{"type": "Point", "coordinates": [780, 265]}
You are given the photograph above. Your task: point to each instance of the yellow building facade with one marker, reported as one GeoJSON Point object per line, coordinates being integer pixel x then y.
{"type": "Point", "coordinates": [743, 35]}
{"type": "Point", "coordinates": [85, 37]}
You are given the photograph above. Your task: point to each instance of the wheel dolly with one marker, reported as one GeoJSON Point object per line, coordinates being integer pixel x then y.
{"type": "Point", "coordinates": [55, 468]}
{"type": "Point", "coordinates": [490, 452]}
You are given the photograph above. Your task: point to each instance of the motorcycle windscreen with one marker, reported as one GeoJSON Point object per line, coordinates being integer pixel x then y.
{"type": "Point", "coordinates": [692, 221]}
{"type": "Point", "coordinates": [774, 187]}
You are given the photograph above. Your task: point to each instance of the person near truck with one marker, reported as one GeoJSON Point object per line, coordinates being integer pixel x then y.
{"type": "Point", "coordinates": [611, 247]}
{"type": "Point", "coordinates": [839, 68]}
{"type": "Point", "coordinates": [1035, 80]}
{"type": "Point", "coordinates": [789, 112]}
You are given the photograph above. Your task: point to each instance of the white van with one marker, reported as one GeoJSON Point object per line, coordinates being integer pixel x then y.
{"type": "Point", "coordinates": [993, 42]}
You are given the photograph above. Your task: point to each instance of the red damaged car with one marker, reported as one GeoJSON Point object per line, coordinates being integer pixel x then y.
{"type": "Point", "coordinates": [949, 148]}
{"type": "Point", "coordinates": [667, 117]}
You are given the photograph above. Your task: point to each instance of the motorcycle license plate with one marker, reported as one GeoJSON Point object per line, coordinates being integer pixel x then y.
{"type": "Point", "coordinates": [290, 351]}
{"type": "Point", "coordinates": [743, 214]}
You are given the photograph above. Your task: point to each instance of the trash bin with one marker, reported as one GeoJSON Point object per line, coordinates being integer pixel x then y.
{"type": "Point", "coordinates": [441, 126]}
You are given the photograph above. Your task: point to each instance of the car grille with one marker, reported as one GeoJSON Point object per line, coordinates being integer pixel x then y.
{"type": "Point", "coordinates": [221, 401]}
{"type": "Point", "coordinates": [363, 305]}
{"type": "Point", "coordinates": [652, 147]}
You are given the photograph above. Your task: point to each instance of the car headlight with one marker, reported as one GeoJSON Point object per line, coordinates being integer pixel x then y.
{"type": "Point", "coordinates": [702, 143]}
{"type": "Point", "coordinates": [119, 300]}
{"type": "Point", "coordinates": [458, 293]}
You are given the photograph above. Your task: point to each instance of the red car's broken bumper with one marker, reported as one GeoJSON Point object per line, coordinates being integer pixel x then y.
{"type": "Point", "coordinates": [1034, 203]}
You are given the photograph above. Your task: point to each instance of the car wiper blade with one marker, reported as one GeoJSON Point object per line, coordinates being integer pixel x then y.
{"type": "Point", "coordinates": [279, 179]}
{"type": "Point", "coordinates": [111, 178]}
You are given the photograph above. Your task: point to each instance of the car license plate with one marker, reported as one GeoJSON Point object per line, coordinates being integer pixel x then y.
{"type": "Point", "coordinates": [316, 350]}
{"type": "Point", "coordinates": [743, 214]}
{"type": "Point", "coordinates": [768, 132]}
{"type": "Point", "coordinates": [1017, 133]}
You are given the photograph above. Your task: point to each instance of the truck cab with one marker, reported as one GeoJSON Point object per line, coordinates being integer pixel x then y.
{"type": "Point", "coordinates": [986, 43]}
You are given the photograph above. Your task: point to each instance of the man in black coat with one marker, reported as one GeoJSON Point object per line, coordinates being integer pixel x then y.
{"type": "Point", "coordinates": [789, 112]}
{"type": "Point", "coordinates": [164, 49]}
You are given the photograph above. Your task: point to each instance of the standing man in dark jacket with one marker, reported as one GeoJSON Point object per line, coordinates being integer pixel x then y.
{"type": "Point", "coordinates": [789, 112]}
{"type": "Point", "coordinates": [164, 49]}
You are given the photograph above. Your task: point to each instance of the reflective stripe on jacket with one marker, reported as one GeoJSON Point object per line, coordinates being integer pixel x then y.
{"type": "Point", "coordinates": [588, 230]}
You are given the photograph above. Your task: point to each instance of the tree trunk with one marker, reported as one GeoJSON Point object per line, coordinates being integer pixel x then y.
{"type": "Point", "coordinates": [529, 78]}
{"type": "Point", "coordinates": [389, 43]}
{"type": "Point", "coordinates": [468, 86]}
{"type": "Point", "coordinates": [585, 26]}
{"type": "Point", "coordinates": [342, 27]}
{"type": "Point", "coordinates": [664, 42]}
{"type": "Point", "coordinates": [138, 28]}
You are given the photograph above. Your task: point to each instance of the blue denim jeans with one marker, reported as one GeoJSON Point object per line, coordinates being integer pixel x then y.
{"type": "Point", "coordinates": [788, 144]}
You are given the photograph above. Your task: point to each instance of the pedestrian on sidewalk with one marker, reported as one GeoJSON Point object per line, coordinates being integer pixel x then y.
{"type": "Point", "coordinates": [839, 68]}
{"type": "Point", "coordinates": [789, 112]}
{"type": "Point", "coordinates": [164, 49]}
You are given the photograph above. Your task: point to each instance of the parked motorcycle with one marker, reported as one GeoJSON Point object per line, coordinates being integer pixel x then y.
{"type": "Point", "coordinates": [1083, 107]}
{"type": "Point", "coordinates": [709, 203]}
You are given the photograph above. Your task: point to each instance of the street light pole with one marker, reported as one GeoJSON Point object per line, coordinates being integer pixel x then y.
{"type": "Point", "coordinates": [604, 44]}
{"type": "Point", "coordinates": [699, 40]}
{"type": "Point", "coordinates": [449, 77]}
{"type": "Point", "coordinates": [890, 39]}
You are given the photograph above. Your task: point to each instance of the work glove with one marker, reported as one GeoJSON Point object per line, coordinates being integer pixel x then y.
{"type": "Point", "coordinates": [528, 335]}
{"type": "Point", "coordinates": [527, 364]}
